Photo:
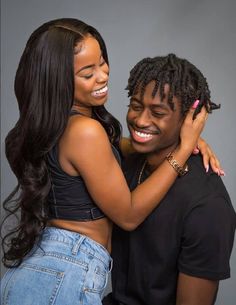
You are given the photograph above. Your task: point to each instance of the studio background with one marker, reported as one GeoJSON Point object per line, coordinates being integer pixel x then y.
{"type": "Point", "coordinates": [202, 31]}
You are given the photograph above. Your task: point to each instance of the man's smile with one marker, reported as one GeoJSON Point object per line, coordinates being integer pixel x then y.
{"type": "Point", "coordinates": [142, 135]}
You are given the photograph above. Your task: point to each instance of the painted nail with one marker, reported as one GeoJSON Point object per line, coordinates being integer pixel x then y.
{"type": "Point", "coordinates": [195, 104]}
{"type": "Point", "coordinates": [222, 173]}
{"type": "Point", "coordinates": [207, 168]}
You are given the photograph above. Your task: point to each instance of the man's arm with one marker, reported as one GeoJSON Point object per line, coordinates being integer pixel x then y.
{"type": "Point", "coordinates": [195, 291]}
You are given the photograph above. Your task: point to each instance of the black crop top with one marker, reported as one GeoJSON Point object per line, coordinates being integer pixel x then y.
{"type": "Point", "coordinates": [68, 197]}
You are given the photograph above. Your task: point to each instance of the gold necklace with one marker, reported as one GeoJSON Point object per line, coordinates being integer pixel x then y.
{"type": "Point", "coordinates": [141, 171]}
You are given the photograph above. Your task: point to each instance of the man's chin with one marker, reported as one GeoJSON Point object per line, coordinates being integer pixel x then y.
{"type": "Point", "coordinates": [140, 148]}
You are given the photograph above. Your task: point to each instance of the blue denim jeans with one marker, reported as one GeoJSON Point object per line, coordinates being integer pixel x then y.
{"type": "Point", "coordinates": [65, 268]}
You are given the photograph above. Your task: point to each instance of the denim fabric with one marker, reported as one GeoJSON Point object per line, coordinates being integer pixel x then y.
{"type": "Point", "coordinates": [66, 268]}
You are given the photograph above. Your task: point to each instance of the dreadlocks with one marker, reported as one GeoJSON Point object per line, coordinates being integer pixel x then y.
{"type": "Point", "coordinates": [184, 79]}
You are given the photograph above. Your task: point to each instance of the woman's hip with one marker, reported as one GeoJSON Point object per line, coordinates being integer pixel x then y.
{"type": "Point", "coordinates": [62, 265]}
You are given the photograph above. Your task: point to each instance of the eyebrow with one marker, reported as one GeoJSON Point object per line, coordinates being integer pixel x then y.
{"type": "Point", "coordinates": [135, 99]}
{"type": "Point", "coordinates": [162, 106]}
{"type": "Point", "coordinates": [88, 66]}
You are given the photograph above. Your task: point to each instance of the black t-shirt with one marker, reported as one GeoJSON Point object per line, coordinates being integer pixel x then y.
{"type": "Point", "coordinates": [191, 231]}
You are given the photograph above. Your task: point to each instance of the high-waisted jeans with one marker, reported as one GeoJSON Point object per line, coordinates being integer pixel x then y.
{"type": "Point", "coordinates": [65, 268]}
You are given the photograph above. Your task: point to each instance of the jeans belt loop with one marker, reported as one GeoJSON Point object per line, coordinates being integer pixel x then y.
{"type": "Point", "coordinates": [77, 244]}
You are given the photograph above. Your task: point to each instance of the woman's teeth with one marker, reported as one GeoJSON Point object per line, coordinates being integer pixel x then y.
{"type": "Point", "coordinates": [100, 91]}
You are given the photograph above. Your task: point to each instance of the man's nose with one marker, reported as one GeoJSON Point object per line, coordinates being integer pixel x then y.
{"type": "Point", "coordinates": [143, 119]}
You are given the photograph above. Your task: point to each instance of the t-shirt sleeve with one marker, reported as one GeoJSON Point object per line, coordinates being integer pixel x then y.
{"type": "Point", "coordinates": [207, 239]}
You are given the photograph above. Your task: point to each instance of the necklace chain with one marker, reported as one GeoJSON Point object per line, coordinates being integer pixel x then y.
{"type": "Point", "coordinates": [141, 171]}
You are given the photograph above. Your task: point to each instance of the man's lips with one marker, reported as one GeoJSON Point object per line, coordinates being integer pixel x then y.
{"type": "Point", "coordinates": [142, 136]}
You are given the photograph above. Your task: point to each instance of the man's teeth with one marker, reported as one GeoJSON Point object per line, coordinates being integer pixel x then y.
{"type": "Point", "coordinates": [143, 135]}
{"type": "Point", "coordinates": [100, 91]}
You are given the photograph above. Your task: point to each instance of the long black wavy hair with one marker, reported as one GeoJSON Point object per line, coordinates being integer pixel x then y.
{"type": "Point", "coordinates": [44, 88]}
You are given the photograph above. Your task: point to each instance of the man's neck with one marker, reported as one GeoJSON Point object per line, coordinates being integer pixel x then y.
{"type": "Point", "coordinates": [156, 158]}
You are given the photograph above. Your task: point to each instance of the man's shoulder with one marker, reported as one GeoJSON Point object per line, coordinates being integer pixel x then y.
{"type": "Point", "coordinates": [200, 180]}
{"type": "Point", "coordinates": [131, 165]}
{"type": "Point", "coordinates": [129, 162]}
{"type": "Point", "coordinates": [198, 186]}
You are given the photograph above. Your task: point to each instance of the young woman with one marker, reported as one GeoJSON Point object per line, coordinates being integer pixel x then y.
{"type": "Point", "coordinates": [64, 151]}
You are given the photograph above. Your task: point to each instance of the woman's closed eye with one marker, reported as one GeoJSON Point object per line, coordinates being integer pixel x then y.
{"type": "Point", "coordinates": [87, 76]}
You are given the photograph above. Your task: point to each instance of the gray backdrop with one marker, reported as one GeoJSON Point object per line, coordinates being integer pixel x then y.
{"type": "Point", "coordinates": [202, 31]}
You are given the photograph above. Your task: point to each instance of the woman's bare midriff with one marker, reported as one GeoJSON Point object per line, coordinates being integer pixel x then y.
{"type": "Point", "coordinates": [99, 230]}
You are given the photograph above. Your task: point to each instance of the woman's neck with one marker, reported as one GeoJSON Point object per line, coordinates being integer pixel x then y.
{"type": "Point", "coordinates": [87, 111]}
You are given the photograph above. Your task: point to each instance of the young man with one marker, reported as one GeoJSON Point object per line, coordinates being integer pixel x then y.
{"type": "Point", "coordinates": [181, 251]}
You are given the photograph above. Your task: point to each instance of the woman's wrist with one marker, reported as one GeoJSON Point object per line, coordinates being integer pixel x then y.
{"type": "Point", "coordinates": [178, 159]}
{"type": "Point", "coordinates": [182, 152]}
{"type": "Point", "coordinates": [180, 170]}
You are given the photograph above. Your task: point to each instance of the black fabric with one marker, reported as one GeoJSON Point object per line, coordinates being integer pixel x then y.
{"type": "Point", "coordinates": [108, 300]}
{"type": "Point", "coordinates": [69, 198]}
{"type": "Point", "coordinates": [191, 231]}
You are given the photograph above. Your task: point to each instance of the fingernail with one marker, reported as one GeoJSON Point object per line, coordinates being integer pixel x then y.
{"type": "Point", "coordinates": [222, 173]}
{"type": "Point", "coordinates": [207, 168]}
{"type": "Point", "coordinates": [195, 104]}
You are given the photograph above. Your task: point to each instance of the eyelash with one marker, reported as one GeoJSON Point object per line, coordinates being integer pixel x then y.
{"type": "Point", "coordinates": [88, 76]}
{"type": "Point", "coordinates": [134, 107]}
{"type": "Point", "coordinates": [157, 114]}
{"type": "Point", "coordinates": [91, 75]}
{"type": "Point", "coordinates": [138, 108]}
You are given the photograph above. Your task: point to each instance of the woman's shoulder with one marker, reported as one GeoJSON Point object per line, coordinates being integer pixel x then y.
{"type": "Point", "coordinates": [126, 147]}
{"type": "Point", "coordinates": [86, 129]}
{"type": "Point", "coordinates": [82, 125]}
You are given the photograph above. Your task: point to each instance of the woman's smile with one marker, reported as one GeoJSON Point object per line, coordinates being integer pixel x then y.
{"type": "Point", "coordinates": [100, 92]}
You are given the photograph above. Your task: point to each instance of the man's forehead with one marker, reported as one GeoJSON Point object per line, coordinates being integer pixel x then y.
{"type": "Point", "coordinates": [146, 96]}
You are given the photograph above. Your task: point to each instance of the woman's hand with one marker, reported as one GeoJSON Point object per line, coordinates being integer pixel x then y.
{"type": "Point", "coordinates": [208, 157]}
{"type": "Point", "coordinates": [190, 134]}
{"type": "Point", "coordinates": [192, 128]}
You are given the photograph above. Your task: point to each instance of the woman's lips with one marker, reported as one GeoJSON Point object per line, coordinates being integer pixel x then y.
{"type": "Point", "coordinates": [100, 92]}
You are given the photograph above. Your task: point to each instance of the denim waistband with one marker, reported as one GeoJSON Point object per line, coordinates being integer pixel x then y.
{"type": "Point", "coordinates": [78, 242]}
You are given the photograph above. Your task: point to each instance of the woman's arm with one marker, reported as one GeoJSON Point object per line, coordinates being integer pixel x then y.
{"type": "Point", "coordinates": [86, 145]}
{"type": "Point", "coordinates": [126, 147]}
{"type": "Point", "coordinates": [208, 155]}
